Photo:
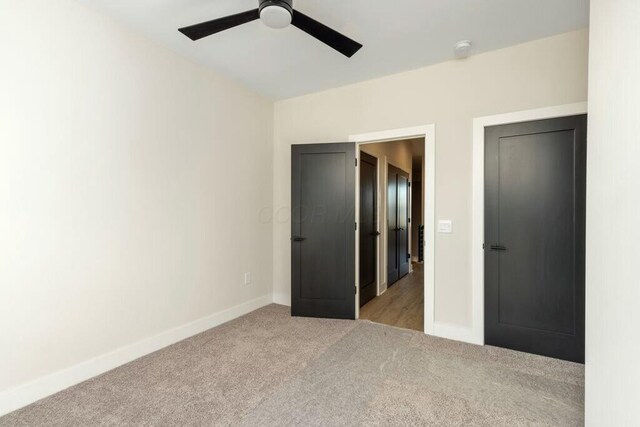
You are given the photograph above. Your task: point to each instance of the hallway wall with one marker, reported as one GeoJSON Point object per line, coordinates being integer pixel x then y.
{"type": "Point", "coordinates": [398, 153]}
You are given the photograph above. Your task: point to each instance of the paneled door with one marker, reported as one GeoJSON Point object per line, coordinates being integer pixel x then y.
{"type": "Point", "coordinates": [398, 257]}
{"type": "Point", "coordinates": [368, 227]}
{"type": "Point", "coordinates": [535, 189]}
{"type": "Point", "coordinates": [323, 230]}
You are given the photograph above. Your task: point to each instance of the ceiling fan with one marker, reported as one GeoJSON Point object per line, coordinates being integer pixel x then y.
{"type": "Point", "coordinates": [276, 14]}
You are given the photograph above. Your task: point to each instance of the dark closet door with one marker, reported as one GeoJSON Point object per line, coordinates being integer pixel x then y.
{"type": "Point", "coordinates": [535, 186]}
{"type": "Point", "coordinates": [323, 230]}
{"type": "Point", "coordinates": [368, 231]}
{"type": "Point", "coordinates": [397, 220]}
{"type": "Point", "coordinates": [393, 267]}
{"type": "Point", "coordinates": [403, 224]}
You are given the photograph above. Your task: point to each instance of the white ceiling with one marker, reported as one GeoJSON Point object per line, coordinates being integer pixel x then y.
{"type": "Point", "coordinates": [397, 35]}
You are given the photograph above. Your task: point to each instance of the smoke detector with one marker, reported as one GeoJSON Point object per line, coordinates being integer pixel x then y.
{"type": "Point", "coordinates": [462, 49]}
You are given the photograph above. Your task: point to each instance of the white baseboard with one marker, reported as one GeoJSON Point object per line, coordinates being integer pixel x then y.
{"type": "Point", "coordinates": [383, 288]}
{"type": "Point", "coordinates": [282, 299]}
{"type": "Point", "coordinates": [456, 333]}
{"type": "Point", "coordinates": [25, 394]}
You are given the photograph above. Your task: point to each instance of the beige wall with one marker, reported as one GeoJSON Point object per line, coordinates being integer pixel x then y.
{"type": "Point", "coordinates": [398, 153]}
{"type": "Point", "coordinates": [542, 73]}
{"type": "Point", "coordinates": [613, 206]}
{"type": "Point", "coordinates": [131, 183]}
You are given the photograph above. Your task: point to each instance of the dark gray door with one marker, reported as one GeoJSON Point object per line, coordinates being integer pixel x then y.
{"type": "Point", "coordinates": [535, 186]}
{"type": "Point", "coordinates": [403, 223]}
{"type": "Point", "coordinates": [393, 267]}
{"type": "Point", "coordinates": [398, 220]}
{"type": "Point", "coordinates": [368, 231]}
{"type": "Point", "coordinates": [323, 230]}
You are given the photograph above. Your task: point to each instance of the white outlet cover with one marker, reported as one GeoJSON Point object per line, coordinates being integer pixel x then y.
{"type": "Point", "coordinates": [445, 226]}
{"type": "Point", "coordinates": [247, 278]}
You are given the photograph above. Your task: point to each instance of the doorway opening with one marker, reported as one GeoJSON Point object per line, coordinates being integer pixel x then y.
{"type": "Point", "coordinates": [391, 232]}
{"type": "Point", "coordinates": [325, 201]}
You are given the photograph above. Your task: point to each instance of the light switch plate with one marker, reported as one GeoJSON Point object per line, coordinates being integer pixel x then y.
{"type": "Point", "coordinates": [247, 278]}
{"type": "Point", "coordinates": [445, 226]}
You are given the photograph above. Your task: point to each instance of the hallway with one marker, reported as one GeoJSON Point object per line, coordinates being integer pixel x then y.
{"type": "Point", "coordinates": [402, 305]}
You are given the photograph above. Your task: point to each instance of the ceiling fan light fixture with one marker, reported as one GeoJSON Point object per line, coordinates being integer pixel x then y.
{"type": "Point", "coordinates": [276, 13]}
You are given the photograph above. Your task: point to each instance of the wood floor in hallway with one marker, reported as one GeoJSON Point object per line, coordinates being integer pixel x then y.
{"type": "Point", "coordinates": [402, 305]}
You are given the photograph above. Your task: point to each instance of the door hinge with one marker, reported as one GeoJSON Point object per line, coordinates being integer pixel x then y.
{"type": "Point", "coordinates": [356, 162]}
{"type": "Point", "coordinates": [408, 256]}
{"type": "Point", "coordinates": [409, 220]}
{"type": "Point", "coordinates": [356, 288]}
{"type": "Point", "coordinates": [408, 184]}
{"type": "Point", "coordinates": [356, 226]}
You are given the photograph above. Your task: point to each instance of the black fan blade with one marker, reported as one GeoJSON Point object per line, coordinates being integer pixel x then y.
{"type": "Point", "coordinates": [198, 31]}
{"type": "Point", "coordinates": [326, 35]}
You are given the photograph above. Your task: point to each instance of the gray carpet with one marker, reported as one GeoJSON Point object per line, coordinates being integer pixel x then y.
{"type": "Point", "coordinates": [267, 368]}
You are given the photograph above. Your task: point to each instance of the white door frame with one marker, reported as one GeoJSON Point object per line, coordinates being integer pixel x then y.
{"type": "Point", "coordinates": [477, 251]}
{"type": "Point", "coordinates": [428, 132]}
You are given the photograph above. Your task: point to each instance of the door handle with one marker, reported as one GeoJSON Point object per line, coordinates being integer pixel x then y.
{"type": "Point", "coordinates": [400, 229]}
{"type": "Point", "coordinates": [375, 233]}
{"type": "Point", "coordinates": [498, 248]}
{"type": "Point", "coordinates": [298, 239]}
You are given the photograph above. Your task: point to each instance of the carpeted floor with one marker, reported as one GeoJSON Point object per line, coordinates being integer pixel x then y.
{"type": "Point", "coordinates": [267, 368]}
